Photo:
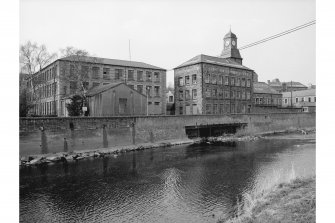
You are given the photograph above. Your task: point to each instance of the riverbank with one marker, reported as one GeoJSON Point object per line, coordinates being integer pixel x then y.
{"type": "Point", "coordinates": [287, 202]}
{"type": "Point", "coordinates": [101, 152]}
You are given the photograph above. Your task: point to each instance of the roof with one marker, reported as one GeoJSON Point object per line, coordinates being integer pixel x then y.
{"type": "Point", "coordinates": [294, 84]}
{"type": "Point", "coordinates": [230, 35]}
{"type": "Point", "coordinates": [263, 88]}
{"type": "Point", "coordinates": [123, 63]}
{"type": "Point", "coordinates": [302, 93]}
{"type": "Point", "coordinates": [213, 60]}
{"type": "Point", "coordinates": [106, 87]}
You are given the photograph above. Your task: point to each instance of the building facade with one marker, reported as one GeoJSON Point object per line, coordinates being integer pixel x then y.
{"type": "Point", "coordinates": [68, 76]}
{"type": "Point", "coordinates": [170, 105]}
{"type": "Point", "coordinates": [266, 96]}
{"type": "Point", "coordinates": [214, 85]}
{"type": "Point", "coordinates": [305, 99]}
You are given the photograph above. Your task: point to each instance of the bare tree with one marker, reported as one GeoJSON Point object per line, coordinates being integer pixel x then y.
{"type": "Point", "coordinates": [80, 61]}
{"type": "Point", "coordinates": [33, 58]}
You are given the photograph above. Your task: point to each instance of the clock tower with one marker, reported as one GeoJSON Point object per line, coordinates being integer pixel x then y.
{"type": "Point", "coordinates": [230, 50]}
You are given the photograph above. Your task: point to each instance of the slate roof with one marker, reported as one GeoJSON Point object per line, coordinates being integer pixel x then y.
{"type": "Point", "coordinates": [263, 88]}
{"type": "Point", "coordinates": [115, 62]}
{"type": "Point", "coordinates": [230, 35]}
{"type": "Point", "coordinates": [106, 87]}
{"type": "Point", "coordinates": [302, 93]}
{"type": "Point", "coordinates": [288, 84]}
{"type": "Point", "coordinates": [213, 60]}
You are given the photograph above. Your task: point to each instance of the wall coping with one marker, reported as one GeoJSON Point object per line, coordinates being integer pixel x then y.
{"type": "Point", "coordinates": [158, 116]}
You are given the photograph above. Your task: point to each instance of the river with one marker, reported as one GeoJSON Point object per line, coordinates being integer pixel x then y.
{"type": "Point", "coordinates": [176, 184]}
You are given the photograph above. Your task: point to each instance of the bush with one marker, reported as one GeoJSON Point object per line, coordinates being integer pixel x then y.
{"type": "Point", "coordinates": [75, 107]}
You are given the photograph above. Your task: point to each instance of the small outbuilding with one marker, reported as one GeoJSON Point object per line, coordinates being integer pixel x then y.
{"type": "Point", "coordinates": [116, 99]}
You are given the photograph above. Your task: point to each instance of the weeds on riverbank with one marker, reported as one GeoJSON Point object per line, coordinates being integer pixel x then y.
{"type": "Point", "coordinates": [290, 200]}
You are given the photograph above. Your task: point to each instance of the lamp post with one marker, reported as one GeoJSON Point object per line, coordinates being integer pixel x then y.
{"type": "Point", "coordinates": [147, 100]}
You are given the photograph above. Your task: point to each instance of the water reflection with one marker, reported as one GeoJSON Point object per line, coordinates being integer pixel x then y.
{"type": "Point", "coordinates": [181, 184]}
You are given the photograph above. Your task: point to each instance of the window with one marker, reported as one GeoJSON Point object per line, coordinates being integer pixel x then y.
{"type": "Point", "coordinates": [181, 95]}
{"type": "Point", "coordinates": [232, 95]}
{"type": "Point", "coordinates": [215, 109]}
{"type": "Point", "coordinates": [285, 100]}
{"type": "Point", "coordinates": [214, 93]}
{"type": "Point", "coordinates": [139, 75]}
{"type": "Point", "coordinates": [149, 78]}
{"type": "Point", "coordinates": [84, 72]}
{"type": "Point", "coordinates": [248, 83]}
{"type": "Point", "coordinates": [220, 80]}
{"type": "Point", "coordinates": [187, 95]}
{"type": "Point", "coordinates": [314, 99]}
{"type": "Point", "coordinates": [140, 88]}
{"type": "Point", "coordinates": [238, 81]}
{"type": "Point", "coordinates": [156, 103]}
{"type": "Point", "coordinates": [220, 93]}
{"type": "Point", "coordinates": [243, 82]}
{"type": "Point", "coordinates": [118, 74]}
{"type": "Point", "coordinates": [187, 80]}
{"type": "Point", "coordinates": [208, 108]}
{"type": "Point", "coordinates": [130, 75]}
{"type": "Point", "coordinates": [95, 72]}
{"type": "Point", "coordinates": [208, 93]}
{"type": "Point", "coordinates": [194, 109]}
{"type": "Point", "coordinates": [214, 80]}
{"type": "Point", "coordinates": [243, 95]}
{"type": "Point", "coordinates": [171, 99]}
{"type": "Point", "coordinates": [221, 109]}
{"type": "Point", "coordinates": [149, 91]}
{"type": "Point", "coordinates": [309, 99]}
{"type": "Point", "coordinates": [106, 74]}
{"type": "Point", "coordinates": [207, 78]}
{"type": "Point", "coordinates": [194, 94]}
{"type": "Point", "coordinates": [73, 87]}
{"type": "Point", "coordinates": [157, 93]}
{"type": "Point", "coordinates": [226, 80]}
{"type": "Point", "coordinates": [302, 99]}
{"type": "Point", "coordinates": [226, 94]}
{"type": "Point", "coordinates": [157, 77]}
{"type": "Point", "coordinates": [248, 95]}
{"type": "Point", "coordinates": [238, 94]}
{"type": "Point", "coordinates": [232, 81]}
{"type": "Point", "coordinates": [194, 79]}
{"type": "Point", "coordinates": [180, 81]}
{"type": "Point", "coordinates": [71, 70]}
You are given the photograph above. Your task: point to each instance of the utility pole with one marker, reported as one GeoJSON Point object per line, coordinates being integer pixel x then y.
{"type": "Point", "coordinates": [147, 101]}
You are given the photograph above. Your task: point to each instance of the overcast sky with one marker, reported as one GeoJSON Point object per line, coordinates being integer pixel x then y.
{"type": "Point", "coordinates": [168, 33]}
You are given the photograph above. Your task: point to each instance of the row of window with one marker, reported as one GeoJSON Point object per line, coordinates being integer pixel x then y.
{"type": "Point", "coordinates": [215, 79]}
{"type": "Point", "coordinates": [225, 108]}
{"type": "Point", "coordinates": [151, 91]}
{"type": "Point", "coordinates": [220, 93]}
{"type": "Point", "coordinates": [45, 108]}
{"type": "Point", "coordinates": [300, 99]}
{"type": "Point", "coordinates": [43, 76]}
{"type": "Point", "coordinates": [119, 74]}
{"type": "Point", "coordinates": [267, 101]}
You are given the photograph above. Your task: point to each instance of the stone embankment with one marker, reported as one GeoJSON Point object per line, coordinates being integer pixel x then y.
{"type": "Point", "coordinates": [114, 151]}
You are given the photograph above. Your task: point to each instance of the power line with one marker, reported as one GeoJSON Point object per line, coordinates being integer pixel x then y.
{"type": "Point", "coordinates": [313, 22]}
{"type": "Point", "coordinates": [278, 35]}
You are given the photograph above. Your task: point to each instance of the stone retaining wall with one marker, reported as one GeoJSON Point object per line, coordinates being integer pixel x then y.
{"type": "Point", "coordinates": [86, 133]}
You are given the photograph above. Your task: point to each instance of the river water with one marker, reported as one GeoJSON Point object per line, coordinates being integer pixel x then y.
{"type": "Point", "coordinates": [176, 184]}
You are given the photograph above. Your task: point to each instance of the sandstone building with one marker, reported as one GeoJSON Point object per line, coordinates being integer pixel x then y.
{"type": "Point", "coordinates": [214, 85]}
{"type": "Point", "coordinates": [266, 96]}
{"type": "Point", "coordinates": [67, 76]}
{"type": "Point", "coordinates": [304, 99]}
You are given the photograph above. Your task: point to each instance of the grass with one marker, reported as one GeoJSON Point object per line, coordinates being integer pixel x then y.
{"type": "Point", "coordinates": [290, 200]}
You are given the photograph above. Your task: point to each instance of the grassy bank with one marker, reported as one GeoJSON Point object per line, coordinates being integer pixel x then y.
{"type": "Point", "coordinates": [286, 202]}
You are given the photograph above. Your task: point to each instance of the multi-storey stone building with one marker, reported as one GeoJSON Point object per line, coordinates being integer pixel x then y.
{"type": "Point", "coordinates": [266, 96]}
{"type": "Point", "coordinates": [214, 85]}
{"type": "Point", "coordinates": [68, 76]}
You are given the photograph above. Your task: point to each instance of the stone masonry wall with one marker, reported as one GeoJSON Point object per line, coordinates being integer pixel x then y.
{"type": "Point", "coordinates": [86, 133]}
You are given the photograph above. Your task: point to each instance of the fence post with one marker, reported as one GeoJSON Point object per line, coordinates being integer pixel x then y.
{"type": "Point", "coordinates": [104, 136]}
{"type": "Point", "coordinates": [44, 143]}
